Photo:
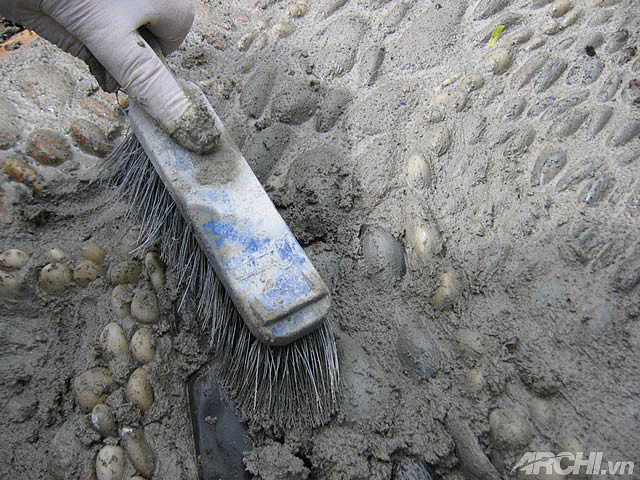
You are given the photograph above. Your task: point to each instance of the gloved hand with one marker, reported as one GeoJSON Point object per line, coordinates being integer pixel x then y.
{"type": "Point", "coordinates": [105, 35]}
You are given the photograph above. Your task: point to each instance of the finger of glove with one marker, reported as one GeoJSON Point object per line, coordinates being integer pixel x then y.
{"type": "Point", "coordinates": [171, 23]}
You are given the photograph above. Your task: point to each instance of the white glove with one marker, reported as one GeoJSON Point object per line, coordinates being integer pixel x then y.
{"type": "Point", "coordinates": [105, 34]}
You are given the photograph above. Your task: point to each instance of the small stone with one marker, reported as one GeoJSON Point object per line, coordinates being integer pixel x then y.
{"type": "Point", "coordinates": [521, 36]}
{"type": "Point", "coordinates": [245, 41]}
{"type": "Point", "coordinates": [628, 275]}
{"type": "Point", "coordinates": [296, 103]}
{"type": "Point", "coordinates": [549, 26]}
{"type": "Point", "coordinates": [549, 74]}
{"type": "Point", "coordinates": [497, 60]}
{"type": "Point", "coordinates": [489, 8]}
{"type": "Point", "coordinates": [567, 124]}
{"type": "Point", "coordinates": [298, 9]}
{"type": "Point", "coordinates": [13, 259]}
{"type": "Point", "coordinates": [125, 272]}
{"type": "Point", "coordinates": [509, 429]}
{"type": "Point", "coordinates": [410, 468]}
{"type": "Point", "coordinates": [257, 90]}
{"type": "Point", "coordinates": [570, 19]}
{"type": "Point", "coordinates": [468, 449]}
{"type": "Point", "coordinates": [283, 29]}
{"type": "Point", "coordinates": [542, 414]}
{"type": "Point", "coordinates": [99, 109]}
{"type": "Point", "coordinates": [475, 381]}
{"type": "Point", "coordinates": [617, 41]}
{"type": "Point", "coordinates": [103, 420]}
{"type": "Point", "coordinates": [527, 71]}
{"type": "Point", "coordinates": [472, 82]}
{"type": "Point", "coordinates": [418, 172]}
{"type": "Point", "coordinates": [625, 55]}
{"type": "Point", "coordinates": [383, 254]}
{"type": "Point", "coordinates": [625, 133]}
{"type": "Point", "coordinates": [370, 64]}
{"type": "Point", "coordinates": [263, 149]}
{"type": "Point", "coordinates": [144, 306]}
{"type": "Point", "coordinates": [519, 143]}
{"type": "Point", "coordinates": [455, 99]}
{"type": "Point", "coordinates": [92, 387]}
{"type": "Point", "coordinates": [90, 138]}
{"type": "Point", "coordinates": [48, 148]}
{"type": "Point", "coordinates": [18, 170]}
{"type": "Point", "coordinates": [451, 80]}
{"type": "Point", "coordinates": [439, 141]}
{"type": "Point", "coordinates": [563, 105]}
{"type": "Point", "coordinates": [585, 72]}
{"type": "Point", "coordinates": [332, 106]}
{"type": "Point", "coordinates": [511, 109]}
{"type": "Point", "coordinates": [631, 92]}
{"type": "Point", "coordinates": [536, 42]}
{"type": "Point", "coordinates": [610, 87]}
{"type": "Point", "coordinates": [576, 174]}
{"type": "Point", "coordinates": [416, 353]}
{"type": "Point", "coordinates": [9, 286]}
{"type": "Point", "coordinates": [447, 294]}
{"type": "Point", "coordinates": [54, 277]}
{"type": "Point", "coordinates": [86, 272]}
{"type": "Point", "coordinates": [138, 450]}
{"type": "Point", "coordinates": [549, 164]}
{"type": "Point", "coordinates": [595, 190]}
{"type": "Point", "coordinates": [560, 7]}
{"type": "Point", "coordinates": [470, 341]}
{"type": "Point", "coordinates": [474, 127]}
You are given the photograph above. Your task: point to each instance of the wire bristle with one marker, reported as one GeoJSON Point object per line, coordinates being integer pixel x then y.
{"type": "Point", "coordinates": [294, 384]}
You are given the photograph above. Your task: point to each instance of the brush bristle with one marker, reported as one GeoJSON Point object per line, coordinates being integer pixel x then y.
{"type": "Point", "coordinates": [292, 385]}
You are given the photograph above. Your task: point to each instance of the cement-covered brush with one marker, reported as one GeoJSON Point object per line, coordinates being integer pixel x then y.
{"type": "Point", "coordinates": [254, 288]}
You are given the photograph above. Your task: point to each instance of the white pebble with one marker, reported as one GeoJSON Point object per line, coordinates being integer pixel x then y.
{"type": "Point", "coordinates": [121, 297]}
{"type": "Point", "coordinates": [110, 463]}
{"type": "Point", "coordinates": [155, 269]}
{"type": "Point", "coordinates": [58, 255]}
{"type": "Point", "coordinates": [549, 26]}
{"type": "Point", "coordinates": [447, 293]}
{"type": "Point", "coordinates": [125, 272]}
{"type": "Point", "coordinates": [144, 306]}
{"type": "Point", "coordinates": [423, 238]}
{"type": "Point", "coordinates": [497, 60]}
{"type": "Point", "coordinates": [456, 99]}
{"type": "Point", "coordinates": [418, 172]}
{"type": "Point", "coordinates": [91, 387]}
{"type": "Point", "coordinates": [439, 141]}
{"type": "Point", "coordinates": [470, 341]}
{"type": "Point", "coordinates": [282, 29]}
{"type": "Point", "coordinates": [54, 277]}
{"type": "Point", "coordinates": [13, 259]}
{"type": "Point", "coordinates": [143, 345]}
{"type": "Point", "coordinates": [103, 420]}
{"type": "Point", "coordinates": [541, 413]}
{"type": "Point", "coordinates": [139, 390]}
{"type": "Point", "coordinates": [560, 7]}
{"type": "Point", "coordinates": [130, 241]}
{"type": "Point", "coordinates": [93, 252]}
{"type": "Point", "coordinates": [138, 450]}
{"type": "Point", "coordinates": [298, 9]}
{"type": "Point", "coordinates": [245, 41]}
{"type": "Point", "coordinates": [509, 429]}
{"type": "Point", "coordinates": [473, 82]}
{"type": "Point", "coordinates": [9, 286]}
{"type": "Point", "coordinates": [86, 271]}
{"type": "Point", "coordinates": [451, 80]}
{"type": "Point", "coordinates": [113, 340]}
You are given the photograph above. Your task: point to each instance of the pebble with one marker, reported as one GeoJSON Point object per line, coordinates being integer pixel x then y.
{"type": "Point", "coordinates": [423, 238]}
{"type": "Point", "coordinates": [121, 297]}
{"type": "Point", "coordinates": [144, 306]}
{"type": "Point", "coordinates": [563, 105]}
{"type": "Point", "coordinates": [549, 26]}
{"type": "Point", "coordinates": [331, 6]}
{"type": "Point", "coordinates": [98, 108]}
{"type": "Point", "coordinates": [472, 82]}
{"type": "Point", "coordinates": [456, 100]}
{"type": "Point", "coordinates": [125, 272]}
{"type": "Point", "coordinates": [113, 340]}
{"type": "Point", "coordinates": [448, 292]}
{"type": "Point", "coordinates": [295, 103]}
{"type": "Point", "coordinates": [416, 352]}
{"type": "Point", "coordinates": [155, 269]}
{"type": "Point", "coordinates": [474, 127]}
{"type": "Point", "coordinates": [489, 8]}
{"type": "Point", "coordinates": [511, 109]}
{"type": "Point", "coordinates": [539, 3]}
{"type": "Point", "coordinates": [245, 41]}
{"type": "Point", "coordinates": [8, 138]}
{"type": "Point", "coordinates": [17, 169]}
{"type": "Point", "coordinates": [628, 275]}
{"type": "Point", "coordinates": [86, 272]}
{"type": "Point", "coordinates": [596, 189]}
{"type": "Point", "coordinates": [264, 148]}
{"type": "Point", "coordinates": [528, 70]}
{"type": "Point", "coordinates": [370, 63]}
{"type": "Point", "coordinates": [536, 42]}
{"type": "Point", "coordinates": [50, 87]}
{"type": "Point", "coordinates": [54, 277]}
{"type": "Point", "coordinates": [497, 60]}
{"type": "Point", "coordinates": [298, 9]}
{"type": "Point", "coordinates": [337, 50]}
{"type": "Point", "coordinates": [617, 41]}
{"type": "Point", "coordinates": [9, 286]}
{"type": "Point", "coordinates": [475, 381]}
{"type": "Point", "coordinates": [58, 255]}
{"type": "Point", "coordinates": [625, 133]}
{"type": "Point", "coordinates": [519, 143]}
{"type": "Point", "coordinates": [521, 36]}
{"type": "Point", "coordinates": [143, 345]}
{"type": "Point", "coordinates": [130, 240]}
{"type": "Point", "coordinates": [92, 387]}
{"type": "Point", "coordinates": [585, 72]}
{"type": "Point", "coordinates": [13, 259]}
{"type": "Point", "coordinates": [509, 429]}
{"type": "Point", "coordinates": [549, 74]}
{"type": "Point", "coordinates": [560, 7]}
{"type": "Point", "coordinates": [48, 148]}
{"type": "Point", "coordinates": [439, 140]}
{"type": "Point", "coordinates": [610, 87]}
{"type": "Point", "coordinates": [570, 19]}
{"type": "Point", "coordinates": [542, 414]}
{"type": "Point", "coordinates": [138, 450]}
{"type": "Point", "coordinates": [139, 390]}
{"type": "Point", "coordinates": [576, 174]}
{"type": "Point", "coordinates": [90, 138]}
{"type": "Point", "coordinates": [550, 162]}
{"type": "Point", "coordinates": [257, 90]}
{"type": "Point", "coordinates": [470, 341]}
{"type": "Point", "coordinates": [568, 123]}
{"type": "Point", "coordinates": [625, 56]}
{"type": "Point", "coordinates": [418, 172]}
{"type": "Point", "coordinates": [110, 463]}
{"type": "Point", "coordinates": [383, 255]}
{"type": "Point", "coordinates": [410, 468]}
{"type": "Point", "coordinates": [93, 252]}
{"type": "Point", "coordinates": [283, 29]}
{"type": "Point", "coordinates": [470, 453]}
{"type": "Point", "coordinates": [103, 420]}
{"type": "Point", "coordinates": [331, 107]}
{"type": "Point", "coordinates": [631, 92]}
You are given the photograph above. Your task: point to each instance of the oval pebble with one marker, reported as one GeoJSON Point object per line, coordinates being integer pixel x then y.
{"type": "Point", "coordinates": [455, 100]}
{"type": "Point", "coordinates": [475, 381]}
{"type": "Point", "coordinates": [110, 463]}
{"type": "Point", "coordinates": [627, 132]}
{"type": "Point", "coordinates": [567, 124]}
{"type": "Point", "coordinates": [155, 269]}
{"type": "Point", "coordinates": [18, 169]}
{"type": "Point", "coordinates": [519, 143]}
{"type": "Point", "coordinates": [610, 87]}
{"type": "Point", "coordinates": [617, 41]}
{"type": "Point", "coordinates": [439, 141]}
{"type": "Point", "coordinates": [47, 147]}
{"type": "Point", "coordinates": [143, 345]}
{"type": "Point", "coordinates": [599, 119]}
{"type": "Point", "coordinates": [416, 353]}
{"type": "Point", "coordinates": [418, 172]}
{"type": "Point", "coordinates": [58, 255]}
{"type": "Point", "coordinates": [550, 162]}
{"type": "Point", "coordinates": [138, 450]}
{"type": "Point", "coordinates": [54, 277]}
{"type": "Point", "coordinates": [383, 254]}
{"type": "Point", "coordinates": [410, 468]}
{"type": "Point", "coordinates": [121, 297]}
{"type": "Point", "coordinates": [113, 340]}
{"type": "Point", "coordinates": [13, 259]}
{"type": "Point", "coordinates": [472, 82]}
{"type": "Point", "coordinates": [468, 449]}
{"type": "Point", "coordinates": [542, 414]}
{"type": "Point", "coordinates": [528, 70]}
{"type": "Point", "coordinates": [92, 387]}
{"type": "Point", "coordinates": [298, 9]}
{"type": "Point", "coordinates": [86, 272]}
{"type": "Point", "coordinates": [125, 272]}
{"type": "Point", "coordinates": [447, 294]}
{"type": "Point", "coordinates": [423, 238]}
{"type": "Point", "coordinates": [549, 74]}
{"type": "Point", "coordinates": [587, 71]}
{"type": "Point", "coordinates": [560, 7]}
{"type": "Point", "coordinates": [144, 306]}
{"type": "Point", "coordinates": [596, 189]}
{"type": "Point", "coordinates": [470, 341]}
{"type": "Point", "coordinates": [139, 390]}
{"type": "Point", "coordinates": [93, 252]}
{"type": "Point", "coordinates": [511, 109]}
{"type": "Point", "coordinates": [103, 420]}
{"type": "Point", "coordinates": [509, 429]}
{"type": "Point", "coordinates": [497, 60]}
{"type": "Point", "coordinates": [9, 286]}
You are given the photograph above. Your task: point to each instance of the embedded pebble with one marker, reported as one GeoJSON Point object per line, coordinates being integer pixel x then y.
{"type": "Point", "coordinates": [9, 286]}
{"type": "Point", "coordinates": [528, 70]}
{"type": "Point", "coordinates": [113, 340]}
{"type": "Point", "coordinates": [331, 107]}
{"type": "Point", "coordinates": [283, 29]}
{"type": "Point", "coordinates": [468, 449]}
{"type": "Point", "coordinates": [447, 294]}
{"type": "Point", "coordinates": [610, 87]}
{"type": "Point", "coordinates": [475, 381]}
{"type": "Point", "coordinates": [596, 189]}
{"type": "Point", "coordinates": [138, 450]}
{"type": "Point", "coordinates": [110, 463]}
{"type": "Point", "coordinates": [86, 272]}
{"type": "Point", "coordinates": [54, 277]}
{"type": "Point", "coordinates": [439, 140]}
{"type": "Point", "coordinates": [13, 259]}
{"type": "Point", "coordinates": [155, 269]}
{"type": "Point", "coordinates": [570, 19]}
{"type": "Point", "coordinates": [539, 3]}
{"type": "Point", "coordinates": [416, 353]}
{"type": "Point", "coordinates": [383, 254]}
{"type": "Point", "coordinates": [18, 170]}
{"type": "Point", "coordinates": [511, 109]}
{"type": "Point", "coordinates": [298, 9]}
{"type": "Point", "coordinates": [631, 92]}
{"type": "Point", "coordinates": [628, 275]}
{"type": "Point", "coordinates": [497, 60]}
{"type": "Point", "coordinates": [576, 174]}
{"type": "Point", "coordinates": [92, 387]}
{"type": "Point", "coordinates": [569, 123]}
{"type": "Point", "coordinates": [560, 7]}
{"type": "Point", "coordinates": [519, 142]}
{"type": "Point", "coordinates": [121, 297]}
{"type": "Point", "coordinates": [296, 103]}
{"type": "Point", "coordinates": [549, 26]}
{"type": "Point", "coordinates": [90, 138]}
{"type": "Point", "coordinates": [585, 72]}
{"type": "Point", "coordinates": [423, 238]}
{"type": "Point", "coordinates": [489, 8]}
{"type": "Point", "coordinates": [472, 82]}
{"type": "Point", "coordinates": [617, 41]}
{"type": "Point", "coordinates": [143, 345]}
{"type": "Point", "coordinates": [627, 132]}
{"type": "Point", "coordinates": [245, 41]}
{"type": "Point", "coordinates": [456, 99]}
{"type": "Point", "coordinates": [103, 420]}
{"type": "Point", "coordinates": [535, 43]}
{"type": "Point", "coordinates": [370, 64]}
{"type": "Point", "coordinates": [58, 255]}
{"type": "Point", "coordinates": [625, 55]}
{"type": "Point", "coordinates": [470, 341]}
{"type": "Point", "coordinates": [541, 106]}
{"type": "Point", "coordinates": [563, 105]}
{"type": "Point", "coordinates": [549, 74]}
{"type": "Point", "coordinates": [125, 272]}
{"type": "Point", "coordinates": [521, 36]}
{"type": "Point", "coordinates": [264, 148]}
{"type": "Point", "coordinates": [418, 172]}
{"type": "Point", "coordinates": [509, 429]}
{"type": "Point", "coordinates": [542, 414]}
{"type": "Point", "coordinates": [410, 468]}
{"type": "Point", "coordinates": [474, 127]}
{"type": "Point", "coordinates": [336, 52]}
{"type": "Point", "coordinates": [550, 162]}
{"type": "Point", "coordinates": [47, 147]}
{"type": "Point", "coordinates": [257, 90]}
{"type": "Point", "coordinates": [139, 389]}
{"type": "Point", "coordinates": [144, 306]}
{"type": "Point", "coordinates": [451, 80]}
{"type": "Point", "coordinates": [93, 252]}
